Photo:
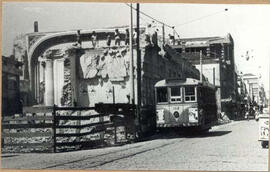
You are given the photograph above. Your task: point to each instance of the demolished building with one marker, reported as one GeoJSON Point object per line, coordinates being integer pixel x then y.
{"type": "Point", "coordinates": [51, 63]}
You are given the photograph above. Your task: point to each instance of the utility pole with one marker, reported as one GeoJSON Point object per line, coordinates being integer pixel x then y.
{"type": "Point", "coordinates": [214, 76]}
{"type": "Point", "coordinates": [138, 68]}
{"type": "Point", "coordinates": [132, 95]}
{"type": "Point", "coordinates": [201, 74]}
{"type": "Point", "coordinates": [163, 35]}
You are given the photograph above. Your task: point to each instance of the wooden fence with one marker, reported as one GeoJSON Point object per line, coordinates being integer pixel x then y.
{"type": "Point", "coordinates": [19, 131]}
{"type": "Point", "coordinates": [59, 132]}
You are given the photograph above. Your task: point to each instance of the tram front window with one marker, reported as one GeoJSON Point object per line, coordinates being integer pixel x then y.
{"type": "Point", "coordinates": [162, 95]}
{"type": "Point", "coordinates": [190, 94]}
{"type": "Point", "coordinates": [176, 94]}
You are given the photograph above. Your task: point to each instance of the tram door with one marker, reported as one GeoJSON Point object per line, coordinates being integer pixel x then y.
{"type": "Point", "coordinates": [162, 104]}
{"type": "Point", "coordinates": [176, 105]}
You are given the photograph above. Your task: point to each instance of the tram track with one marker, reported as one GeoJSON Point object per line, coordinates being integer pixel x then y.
{"type": "Point", "coordinates": [102, 159]}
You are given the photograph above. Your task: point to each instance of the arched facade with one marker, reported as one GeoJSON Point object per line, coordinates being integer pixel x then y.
{"type": "Point", "coordinates": [44, 60]}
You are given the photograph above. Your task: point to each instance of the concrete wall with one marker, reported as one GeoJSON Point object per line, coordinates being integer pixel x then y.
{"type": "Point", "coordinates": [102, 71]}
{"type": "Point", "coordinates": [209, 70]}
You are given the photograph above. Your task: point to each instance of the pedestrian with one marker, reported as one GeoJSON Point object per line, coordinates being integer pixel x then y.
{"type": "Point", "coordinates": [127, 37]}
{"type": "Point", "coordinates": [261, 108]}
{"type": "Point", "coordinates": [148, 33]}
{"type": "Point", "coordinates": [117, 37]}
{"type": "Point", "coordinates": [251, 111]}
{"type": "Point", "coordinates": [171, 39]}
{"type": "Point", "coordinates": [94, 39]}
{"type": "Point", "coordinates": [78, 39]}
{"type": "Point", "coordinates": [155, 38]}
{"type": "Point", "coordinates": [134, 39]}
{"type": "Point", "coordinates": [109, 40]}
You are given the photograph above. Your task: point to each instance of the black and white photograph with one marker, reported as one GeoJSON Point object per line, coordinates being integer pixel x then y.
{"type": "Point", "coordinates": [135, 86]}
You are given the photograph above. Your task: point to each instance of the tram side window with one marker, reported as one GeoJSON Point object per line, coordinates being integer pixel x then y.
{"type": "Point", "coordinates": [162, 95]}
{"type": "Point", "coordinates": [190, 94]}
{"type": "Point", "coordinates": [176, 94]}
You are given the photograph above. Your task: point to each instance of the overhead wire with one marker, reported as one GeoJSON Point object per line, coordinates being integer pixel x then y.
{"type": "Point", "coordinates": [200, 18]}
{"type": "Point", "coordinates": [150, 16]}
{"type": "Point", "coordinates": [143, 13]}
{"type": "Point", "coordinates": [173, 27]}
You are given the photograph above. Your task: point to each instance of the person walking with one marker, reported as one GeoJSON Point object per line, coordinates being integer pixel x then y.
{"type": "Point", "coordinates": [117, 37]}
{"type": "Point", "coordinates": [109, 40]}
{"type": "Point", "coordinates": [127, 37]}
{"type": "Point", "coordinates": [94, 39]}
{"type": "Point", "coordinates": [78, 40]}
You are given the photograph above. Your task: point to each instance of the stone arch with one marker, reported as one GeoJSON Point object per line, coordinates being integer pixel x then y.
{"type": "Point", "coordinates": [52, 39]}
{"type": "Point", "coordinates": [37, 49]}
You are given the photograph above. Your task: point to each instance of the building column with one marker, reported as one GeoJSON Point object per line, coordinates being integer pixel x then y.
{"type": "Point", "coordinates": [59, 77]}
{"type": "Point", "coordinates": [74, 56]}
{"type": "Point", "coordinates": [49, 83]}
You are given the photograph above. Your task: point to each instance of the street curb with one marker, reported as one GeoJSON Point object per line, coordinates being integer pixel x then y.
{"type": "Point", "coordinates": [223, 122]}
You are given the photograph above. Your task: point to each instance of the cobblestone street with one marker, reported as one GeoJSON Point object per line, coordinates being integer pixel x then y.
{"type": "Point", "coordinates": [232, 146]}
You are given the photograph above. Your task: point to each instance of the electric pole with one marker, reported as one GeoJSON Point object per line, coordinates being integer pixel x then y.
{"type": "Point", "coordinates": [132, 95]}
{"type": "Point", "coordinates": [138, 68]}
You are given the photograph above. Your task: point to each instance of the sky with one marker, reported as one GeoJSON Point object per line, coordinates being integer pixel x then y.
{"type": "Point", "coordinates": [248, 24]}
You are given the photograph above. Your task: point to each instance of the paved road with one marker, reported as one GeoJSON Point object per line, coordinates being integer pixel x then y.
{"type": "Point", "coordinates": [232, 146]}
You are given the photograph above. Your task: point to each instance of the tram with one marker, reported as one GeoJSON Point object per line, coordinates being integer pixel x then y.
{"type": "Point", "coordinates": [185, 103]}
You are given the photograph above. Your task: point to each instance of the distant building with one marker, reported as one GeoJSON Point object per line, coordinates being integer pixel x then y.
{"type": "Point", "coordinates": [218, 66]}
{"type": "Point", "coordinates": [256, 92]}
{"type": "Point", "coordinates": [242, 95]}
{"type": "Point", "coordinates": [242, 89]}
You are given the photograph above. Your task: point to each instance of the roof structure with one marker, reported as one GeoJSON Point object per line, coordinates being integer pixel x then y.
{"type": "Point", "coordinates": [204, 41]}
{"type": "Point", "coordinates": [181, 82]}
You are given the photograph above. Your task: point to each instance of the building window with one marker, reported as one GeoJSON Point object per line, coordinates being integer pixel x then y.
{"type": "Point", "coordinates": [255, 91]}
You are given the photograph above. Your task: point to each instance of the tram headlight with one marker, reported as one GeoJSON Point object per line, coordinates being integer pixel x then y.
{"type": "Point", "coordinates": [193, 115]}
{"type": "Point", "coordinates": [160, 116]}
{"type": "Point", "coordinates": [176, 114]}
